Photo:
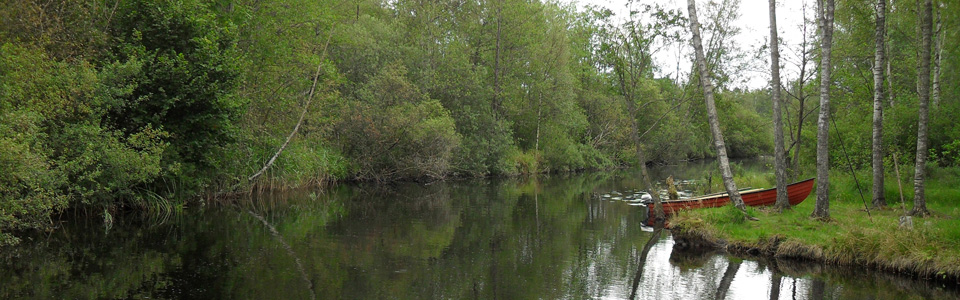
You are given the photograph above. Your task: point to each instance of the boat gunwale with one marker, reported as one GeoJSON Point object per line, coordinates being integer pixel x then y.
{"type": "Point", "coordinates": [726, 195]}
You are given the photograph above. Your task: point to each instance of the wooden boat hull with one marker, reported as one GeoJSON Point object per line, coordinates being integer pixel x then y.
{"type": "Point", "coordinates": [796, 193]}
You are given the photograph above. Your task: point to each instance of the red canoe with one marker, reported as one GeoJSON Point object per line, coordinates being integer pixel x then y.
{"type": "Point", "coordinates": [796, 192]}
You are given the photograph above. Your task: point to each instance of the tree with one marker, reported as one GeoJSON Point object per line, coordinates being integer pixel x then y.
{"type": "Point", "coordinates": [821, 209]}
{"type": "Point", "coordinates": [878, 62]}
{"type": "Point", "coordinates": [496, 62]}
{"type": "Point", "coordinates": [712, 118]}
{"type": "Point", "coordinates": [801, 95]}
{"type": "Point", "coordinates": [631, 61]}
{"type": "Point", "coordinates": [780, 155]}
{"type": "Point", "coordinates": [937, 57]}
{"type": "Point", "coordinates": [923, 70]}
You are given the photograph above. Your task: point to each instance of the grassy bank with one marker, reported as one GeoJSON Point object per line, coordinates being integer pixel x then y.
{"type": "Point", "coordinates": [931, 249]}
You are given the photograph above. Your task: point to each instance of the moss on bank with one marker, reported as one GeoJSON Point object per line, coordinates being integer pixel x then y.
{"type": "Point", "coordinates": [931, 249]}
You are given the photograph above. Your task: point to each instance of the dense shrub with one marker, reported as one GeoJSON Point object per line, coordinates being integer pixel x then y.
{"type": "Point", "coordinates": [188, 68]}
{"type": "Point", "coordinates": [395, 131]}
{"type": "Point", "coordinates": [55, 149]}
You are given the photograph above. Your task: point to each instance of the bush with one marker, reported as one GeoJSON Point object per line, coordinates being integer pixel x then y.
{"type": "Point", "coordinates": [745, 133]}
{"type": "Point", "coordinates": [188, 68]}
{"type": "Point", "coordinates": [395, 131]}
{"type": "Point", "coordinates": [27, 188]}
{"type": "Point", "coordinates": [53, 149]}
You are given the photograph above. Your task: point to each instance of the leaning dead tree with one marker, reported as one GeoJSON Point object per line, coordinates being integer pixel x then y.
{"type": "Point", "coordinates": [303, 114]}
{"type": "Point", "coordinates": [725, 171]}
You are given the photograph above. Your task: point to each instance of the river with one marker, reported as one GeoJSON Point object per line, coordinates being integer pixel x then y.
{"type": "Point", "coordinates": [519, 238]}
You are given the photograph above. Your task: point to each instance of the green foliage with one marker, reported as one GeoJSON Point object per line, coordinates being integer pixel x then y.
{"type": "Point", "coordinates": [745, 132]}
{"type": "Point", "coordinates": [396, 131]}
{"type": "Point", "coordinates": [26, 198]}
{"type": "Point", "coordinates": [487, 144]}
{"type": "Point", "coordinates": [55, 149]}
{"type": "Point", "coordinates": [114, 128]}
{"type": "Point", "coordinates": [187, 71]}
{"type": "Point", "coordinates": [151, 101]}
{"type": "Point", "coordinates": [945, 140]}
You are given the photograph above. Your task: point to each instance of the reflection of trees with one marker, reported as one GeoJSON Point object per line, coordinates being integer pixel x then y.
{"type": "Point", "coordinates": [817, 289]}
{"type": "Point", "coordinates": [691, 258]}
{"type": "Point", "coordinates": [293, 254]}
{"type": "Point", "coordinates": [222, 253]}
{"type": "Point", "coordinates": [52, 267]}
{"type": "Point", "coordinates": [775, 282]}
{"type": "Point", "coordinates": [643, 261]}
{"type": "Point", "coordinates": [502, 238]}
{"type": "Point", "coordinates": [732, 267]}
{"type": "Point", "coordinates": [839, 282]}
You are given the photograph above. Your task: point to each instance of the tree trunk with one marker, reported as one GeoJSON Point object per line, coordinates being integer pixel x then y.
{"type": "Point", "coordinates": [779, 154]}
{"type": "Point", "coordinates": [890, 92]}
{"type": "Point", "coordinates": [539, 117]}
{"type": "Point", "coordinates": [919, 201]}
{"type": "Point", "coordinates": [306, 106]}
{"type": "Point", "coordinates": [658, 214]}
{"type": "Point", "coordinates": [496, 66]}
{"type": "Point", "coordinates": [821, 209]}
{"type": "Point", "coordinates": [918, 32]}
{"type": "Point", "coordinates": [796, 153]}
{"type": "Point", "coordinates": [628, 75]}
{"type": "Point", "coordinates": [801, 98]}
{"type": "Point", "coordinates": [801, 81]}
{"type": "Point", "coordinates": [725, 172]}
{"type": "Point", "coordinates": [878, 197]}
{"type": "Point", "coordinates": [937, 53]}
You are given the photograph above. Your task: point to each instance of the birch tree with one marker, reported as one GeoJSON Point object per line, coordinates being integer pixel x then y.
{"type": "Point", "coordinates": [821, 209]}
{"type": "Point", "coordinates": [923, 88]}
{"type": "Point", "coordinates": [780, 156]}
{"type": "Point", "coordinates": [878, 63]}
{"type": "Point", "coordinates": [937, 56]}
{"type": "Point", "coordinates": [712, 118]}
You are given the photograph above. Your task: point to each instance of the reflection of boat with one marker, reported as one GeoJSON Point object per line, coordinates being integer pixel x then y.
{"type": "Point", "coordinates": [796, 192]}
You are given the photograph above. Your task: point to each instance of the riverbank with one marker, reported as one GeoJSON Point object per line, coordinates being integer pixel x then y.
{"type": "Point", "coordinates": [930, 249]}
{"type": "Point", "coordinates": [485, 238]}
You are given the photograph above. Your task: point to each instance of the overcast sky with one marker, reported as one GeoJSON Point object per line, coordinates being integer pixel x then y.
{"type": "Point", "coordinates": [754, 27]}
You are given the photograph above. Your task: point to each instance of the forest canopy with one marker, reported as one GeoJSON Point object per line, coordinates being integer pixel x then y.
{"type": "Point", "coordinates": [108, 105]}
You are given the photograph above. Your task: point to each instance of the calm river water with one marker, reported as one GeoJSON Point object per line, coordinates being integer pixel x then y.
{"type": "Point", "coordinates": [551, 238]}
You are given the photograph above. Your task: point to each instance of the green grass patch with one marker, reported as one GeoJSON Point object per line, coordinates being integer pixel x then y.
{"type": "Point", "coordinates": [930, 248]}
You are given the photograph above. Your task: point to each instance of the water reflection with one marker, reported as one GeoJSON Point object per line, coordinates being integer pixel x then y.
{"type": "Point", "coordinates": [480, 239]}
{"type": "Point", "coordinates": [643, 260]}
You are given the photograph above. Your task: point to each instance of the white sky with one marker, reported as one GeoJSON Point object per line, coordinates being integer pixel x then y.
{"type": "Point", "coordinates": [754, 27]}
